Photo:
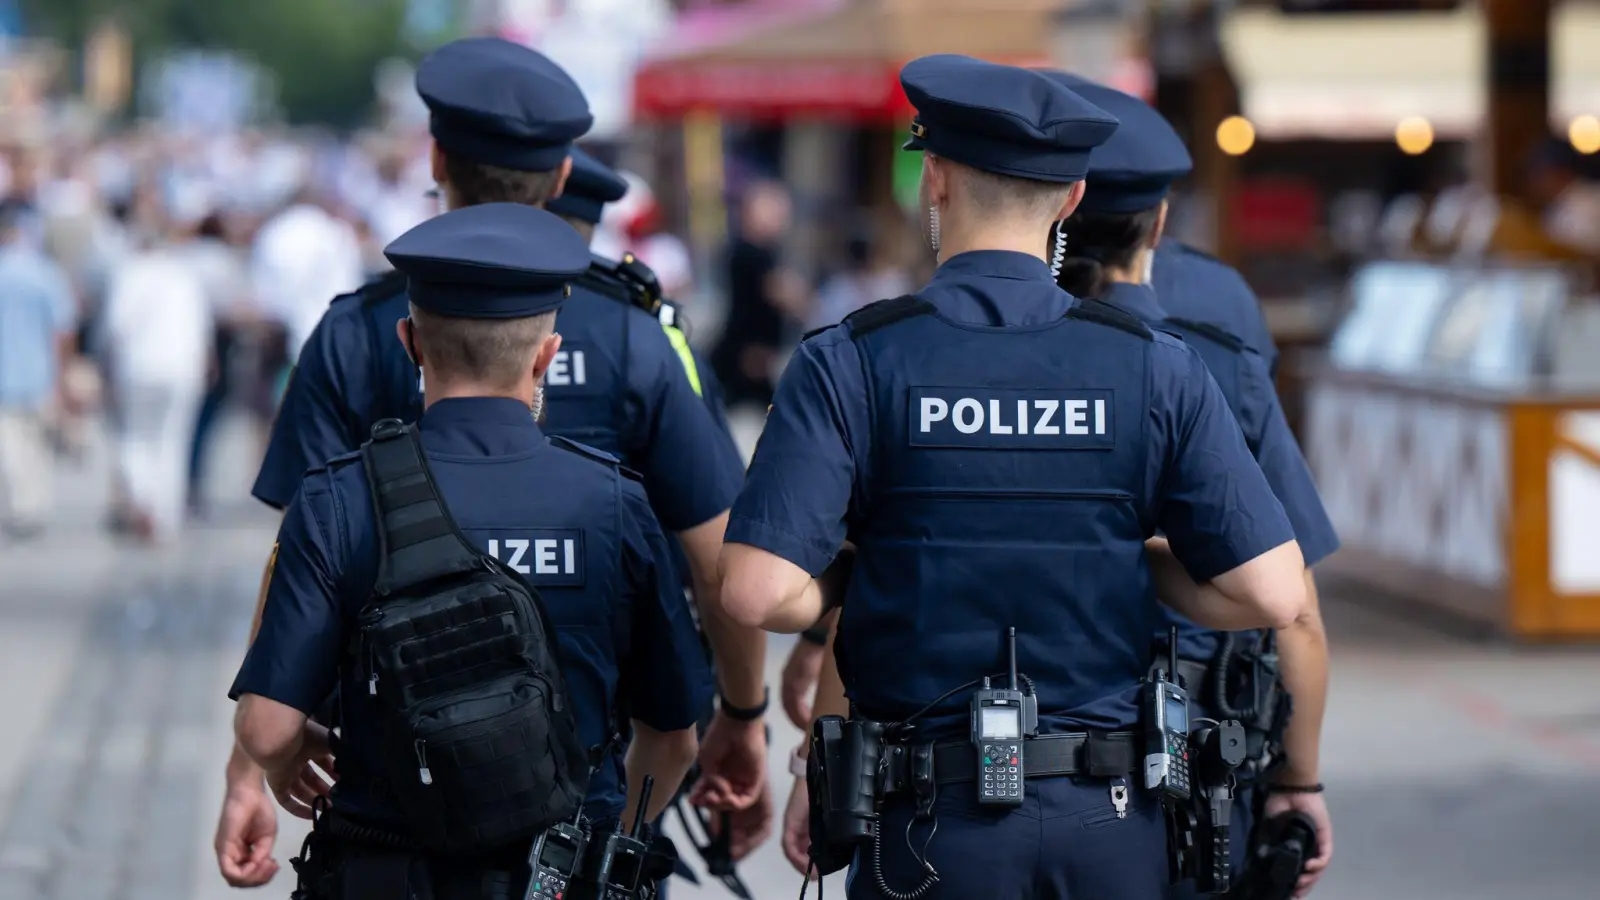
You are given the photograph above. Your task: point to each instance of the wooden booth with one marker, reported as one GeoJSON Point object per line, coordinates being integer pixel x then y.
{"type": "Point", "coordinates": [1456, 440]}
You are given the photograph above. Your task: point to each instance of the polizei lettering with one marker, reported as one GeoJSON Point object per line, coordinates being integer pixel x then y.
{"type": "Point", "coordinates": [545, 556]}
{"type": "Point", "coordinates": [985, 418]}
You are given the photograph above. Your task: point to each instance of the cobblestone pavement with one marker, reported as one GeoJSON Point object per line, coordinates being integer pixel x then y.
{"type": "Point", "coordinates": [1457, 770]}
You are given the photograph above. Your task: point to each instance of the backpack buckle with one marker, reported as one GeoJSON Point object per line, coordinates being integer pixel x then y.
{"type": "Point", "coordinates": [388, 429]}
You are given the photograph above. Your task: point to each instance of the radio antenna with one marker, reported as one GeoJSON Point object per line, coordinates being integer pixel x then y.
{"type": "Point", "coordinates": [1011, 654]}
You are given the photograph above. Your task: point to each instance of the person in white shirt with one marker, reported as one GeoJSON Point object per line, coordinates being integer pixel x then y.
{"type": "Point", "coordinates": [303, 257]}
{"type": "Point", "coordinates": [157, 328]}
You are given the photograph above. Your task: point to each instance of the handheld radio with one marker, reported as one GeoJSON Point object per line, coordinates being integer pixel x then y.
{"type": "Point", "coordinates": [997, 730]}
{"type": "Point", "coordinates": [557, 859]}
{"type": "Point", "coordinates": [622, 865]}
{"type": "Point", "coordinates": [1166, 729]}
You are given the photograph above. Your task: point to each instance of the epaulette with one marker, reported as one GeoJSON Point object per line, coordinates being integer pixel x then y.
{"type": "Point", "coordinates": [1195, 251]}
{"type": "Point", "coordinates": [1105, 314]}
{"type": "Point", "coordinates": [596, 454]}
{"type": "Point", "coordinates": [883, 313]}
{"type": "Point", "coordinates": [340, 461]}
{"type": "Point", "coordinates": [381, 288]}
{"type": "Point", "coordinates": [1212, 333]}
{"type": "Point", "coordinates": [627, 280]}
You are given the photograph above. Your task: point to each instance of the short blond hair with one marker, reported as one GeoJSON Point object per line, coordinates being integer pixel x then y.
{"type": "Point", "coordinates": [494, 352]}
{"type": "Point", "coordinates": [1000, 195]}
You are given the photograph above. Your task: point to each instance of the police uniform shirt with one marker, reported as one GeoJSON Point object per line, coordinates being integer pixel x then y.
{"type": "Point", "coordinates": [352, 373]}
{"type": "Point", "coordinates": [588, 543]}
{"type": "Point", "coordinates": [1252, 398]}
{"type": "Point", "coordinates": [1198, 287]}
{"type": "Point", "coordinates": [812, 482]}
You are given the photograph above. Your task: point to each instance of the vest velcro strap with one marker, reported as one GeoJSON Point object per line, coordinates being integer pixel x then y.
{"type": "Point", "coordinates": [399, 479]}
{"type": "Point", "coordinates": [1109, 316]}
{"type": "Point", "coordinates": [877, 315]}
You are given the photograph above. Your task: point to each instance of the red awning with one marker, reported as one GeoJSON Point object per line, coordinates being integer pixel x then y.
{"type": "Point", "coordinates": [838, 60]}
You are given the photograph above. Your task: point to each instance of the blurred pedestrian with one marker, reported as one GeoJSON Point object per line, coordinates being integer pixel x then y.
{"type": "Point", "coordinates": [869, 275]}
{"type": "Point", "coordinates": [303, 257]}
{"type": "Point", "coordinates": [37, 317]}
{"type": "Point", "coordinates": [224, 276]}
{"type": "Point", "coordinates": [157, 331]}
{"type": "Point", "coordinates": [765, 300]}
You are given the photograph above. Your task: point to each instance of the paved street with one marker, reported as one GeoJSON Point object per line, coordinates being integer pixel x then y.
{"type": "Point", "coordinates": [1458, 770]}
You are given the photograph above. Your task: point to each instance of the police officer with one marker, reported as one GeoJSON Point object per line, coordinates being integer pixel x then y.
{"type": "Point", "coordinates": [503, 119]}
{"type": "Point", "coordinates": [591, 186]}
{"type": "Point", "coordinates": [1105, 245]}
{"type": "Point", "coordinates": [485, 283]}
{"type": "Point", "coordinates": [1000, 458]}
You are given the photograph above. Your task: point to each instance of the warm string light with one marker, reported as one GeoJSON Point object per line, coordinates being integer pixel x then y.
{"type": "Point", "coordinates": [1235, 136]}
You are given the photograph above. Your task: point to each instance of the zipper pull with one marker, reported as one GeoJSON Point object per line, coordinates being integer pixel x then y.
{"type": "Point", "coordinates": [372, 672]}
{"type": "Point", "coordinates": [422, 762]}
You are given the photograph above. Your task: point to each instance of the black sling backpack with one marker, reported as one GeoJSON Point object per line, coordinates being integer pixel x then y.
{"type": "Point", "coordinates": [479, 747]}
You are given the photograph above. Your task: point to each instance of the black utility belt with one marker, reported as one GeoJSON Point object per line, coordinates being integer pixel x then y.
{"type": "Point", "coordinates": [1098, 755]}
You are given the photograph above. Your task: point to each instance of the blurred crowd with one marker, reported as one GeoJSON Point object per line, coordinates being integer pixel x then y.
{"type": "Point", "coordinates": [157, 276]}
{"type": "Point", "coordinates": [154, 279]}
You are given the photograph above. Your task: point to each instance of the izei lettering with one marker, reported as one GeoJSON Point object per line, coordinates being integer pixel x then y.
{"type": "Point", "coordinates": [546, 556]}
{"type": "Point", "coordinates": [1067, 419]}
{"type": "Point", "coordinates": [568, 369]}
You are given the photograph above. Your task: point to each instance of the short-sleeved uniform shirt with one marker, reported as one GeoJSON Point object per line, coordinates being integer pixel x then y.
{"type": "Point", "coordinates": [354, 372]}
{"type": "Point", "coordinates": [624, 636]}
{"type": "Point", "coordinates": [814, 480]}
{"type": "Point", "coordinates": [1254, 402]}
{"type": "Point", "coordinates": [1195, 286]}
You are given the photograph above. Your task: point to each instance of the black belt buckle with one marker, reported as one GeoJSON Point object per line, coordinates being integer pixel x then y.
{"type": "Point", "coordinates": [924, 786]}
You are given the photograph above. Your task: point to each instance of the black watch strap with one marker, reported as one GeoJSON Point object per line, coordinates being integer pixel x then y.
{"type": "Point", "coordinates": [744, 714]}
{"type": "Point", "coordinates": [816, 634]}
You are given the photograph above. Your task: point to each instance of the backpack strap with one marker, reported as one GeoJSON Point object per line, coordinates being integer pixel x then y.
{"type": "Point", "coordinates": [1211, 332]}
{"type": "Point", "coordinates": [1102, 313]}
{"type": "Point", "coordinates": [418, 539]}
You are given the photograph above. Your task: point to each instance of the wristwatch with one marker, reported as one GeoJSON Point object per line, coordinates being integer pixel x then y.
{"type": "Point", "coordinates": [797, 763]}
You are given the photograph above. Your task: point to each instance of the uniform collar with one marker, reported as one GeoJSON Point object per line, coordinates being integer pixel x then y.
{"type": "Point", "coordinates": [994, 264]}
{"type": "Point", "coordinates": [479, 411]}
{"type": "Point", "coordinates": [1136, 300]}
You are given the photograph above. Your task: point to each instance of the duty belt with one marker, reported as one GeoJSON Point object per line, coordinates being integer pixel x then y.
{"type": "Point", "coordinates": [1103, 755]}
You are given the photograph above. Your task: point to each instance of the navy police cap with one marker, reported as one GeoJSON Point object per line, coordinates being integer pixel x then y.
{"type": "Point", "coordinates": [590, 187]}
{"type": "Point", "coordinates": [491, 261]}
{"type": "Point", "coordinates": [1002, 119]}
{"type": "Point", "coordinates": [1135, 169]}
{"type": "Point", "coordinates": [502, 104]}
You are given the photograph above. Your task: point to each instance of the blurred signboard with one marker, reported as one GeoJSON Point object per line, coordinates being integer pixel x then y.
{"type": "Point", "coordinates": [1365, 6]}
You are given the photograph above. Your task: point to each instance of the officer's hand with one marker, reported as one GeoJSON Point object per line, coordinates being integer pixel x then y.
{"type": "Point", "coordinates": [749, 828]}
{"type": "Point", "coordinates": [245, 835]}
{"type": "Point", "coordinates": [800, 675]}
{"type": "Point", "coordinates": [299, 784]}
{"type": "Point", "coordinates": [1316, 808]}
{"type": "Point", "coordinates": [733, 765]}
{"type": "Point", "coordinates": [797, 828]}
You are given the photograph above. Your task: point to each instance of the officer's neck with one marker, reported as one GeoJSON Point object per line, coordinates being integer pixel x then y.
{"type": "Point", "coordinates": [1029, 239]}
{"type": "Point", "coordinates": [453, 389]}
{"type": "Point", "coordinates": [1134, 272]}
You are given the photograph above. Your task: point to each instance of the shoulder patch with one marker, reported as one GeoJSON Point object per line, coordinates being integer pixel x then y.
{"type": "Point", "coordinates": [1109, 316]}
{"type": "Point", "coordinates": [884, 313]}
{"type": "Point", "coordinates": [595, 454]}
{"type": "Point", "coordinates": [1213, 333]}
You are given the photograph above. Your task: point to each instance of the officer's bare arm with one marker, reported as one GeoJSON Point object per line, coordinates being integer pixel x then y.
{"type": "Point", "coordinates": [666, 755]}
{"type": "Point", "coordinates": [1303, 654]}
{"type": "Point", "coordinates": [1268, 591]}
{"type": "Point", "coordinates": [241, 768]}
{"type": "Point", "coordinates": [763, 590]}
{"type": "Point", "coordinates": [740, 650]}
{"type": "Point", "coordinates": [271, 733]}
